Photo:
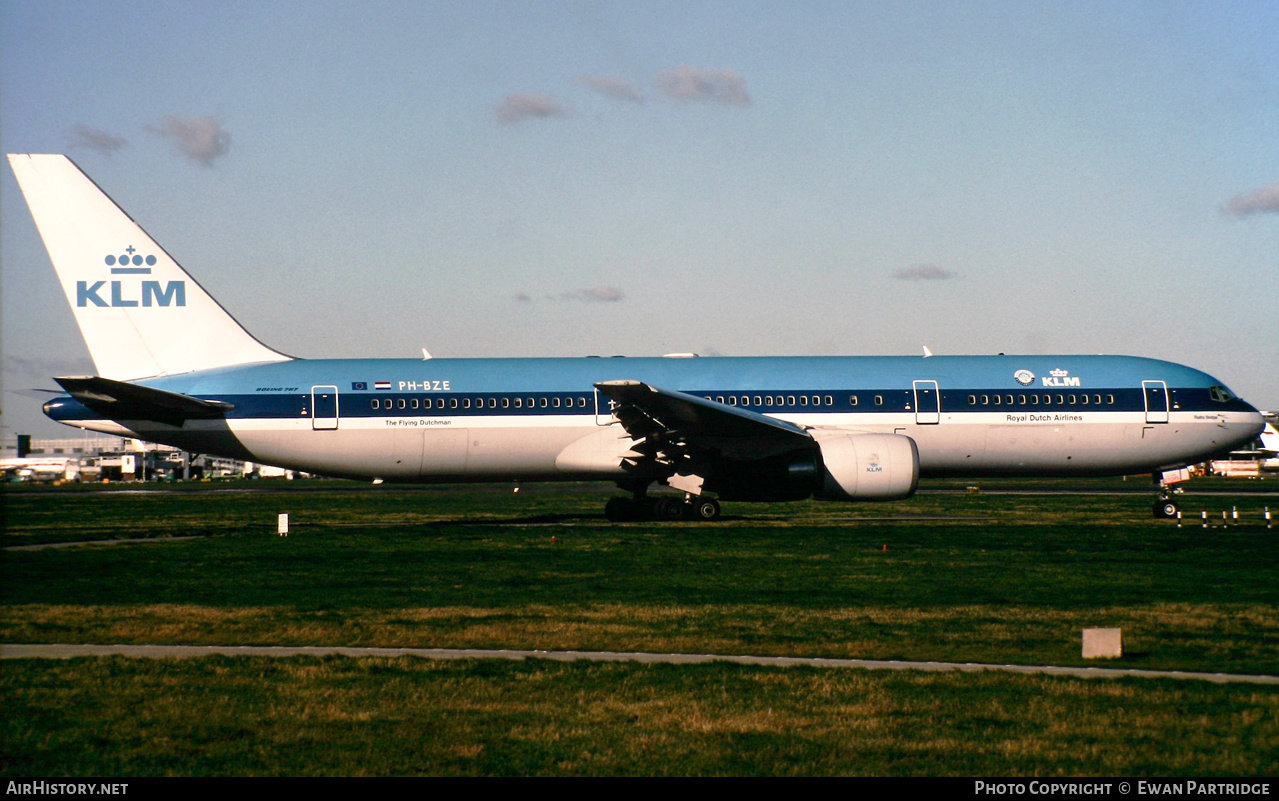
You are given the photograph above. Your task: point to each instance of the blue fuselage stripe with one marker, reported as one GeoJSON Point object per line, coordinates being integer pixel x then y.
{"type": "Point", "coordinates": [360, 404]}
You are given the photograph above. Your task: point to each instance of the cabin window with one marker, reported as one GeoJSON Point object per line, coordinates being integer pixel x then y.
{"type": "Point", "coordinates": [732, 400]}
{"type": "Point", "coordinates": [506, 403]}
{"type": "Point", "coordinates": [852, 400]}
{"type": "Point", "coordinates": [1110, 400]}
{"type": "Point", "coordinates": [556, 402]}
{"type": "Point", "coordinates": [790, 400]}
{"type": "Point", "coordinates": [1034, 400]}
{"type": "Point", "coordinates": [519, 403]}
{"type": "Point", "coordinates": [1021, 400]}
{"type": "Point", "coordinates": [768, 400]}
{"type": "Point", "coordinates": [413, 403]}
{"type": "Point", "coordinates": [376, 403]}
{"type": "Point", "coordinates": [399, 404]}
{"type": "Point", "coordinates": [759, 401]}
{"type": "Point", "coordinates": [830, 401]}
{"type": "Point", "coordinates": [543, 403]}
{"type": "Point", "coordinates": [879, 400]}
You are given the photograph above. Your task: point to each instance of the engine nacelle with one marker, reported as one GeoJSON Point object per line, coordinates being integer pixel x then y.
{"type": "Point", "coordinates": [868, 467]}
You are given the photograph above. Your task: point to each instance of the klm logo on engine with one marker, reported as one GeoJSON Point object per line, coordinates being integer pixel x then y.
{"type": "Point", "coordinates": [124, 292]}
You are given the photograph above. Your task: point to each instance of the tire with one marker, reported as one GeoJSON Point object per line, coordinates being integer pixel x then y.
{"type": "Point", "coordinates": [670, 509]}
{"type": "Point", "coordinates": [1166, 509]}
{"type": "Point", "coordinates": [706, 509]}
{"type": "Point", "coordinates": [617, 510]}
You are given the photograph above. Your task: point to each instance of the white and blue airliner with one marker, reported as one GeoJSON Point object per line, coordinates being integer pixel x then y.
{"type": "Point", "coordinates": [174, 367]}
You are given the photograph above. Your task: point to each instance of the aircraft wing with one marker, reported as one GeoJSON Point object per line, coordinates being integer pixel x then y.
{"type": "Point", "coordinates": [118, 400]}
{"type": "Point", "coordinates": [654, 414]}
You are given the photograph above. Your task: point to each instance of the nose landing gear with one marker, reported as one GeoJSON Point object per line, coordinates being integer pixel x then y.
{"type": "Point", "coordinates": [1165, 507]}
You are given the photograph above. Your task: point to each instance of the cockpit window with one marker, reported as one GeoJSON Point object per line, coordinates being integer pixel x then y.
{"type": "Point", "coordinates": [1220, 394]}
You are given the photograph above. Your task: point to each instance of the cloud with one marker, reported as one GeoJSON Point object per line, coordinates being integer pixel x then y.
{"type": "Point", "coordinates": [595, 294]}
{"type": "Point", "coordinates": [598, 294]}
{"type": "Point", "coordinates": [616, 88]}
{"type": "Point", "coordinates": [202, 139]}
{"type": "Point", "coordinates": [90, 138]}
{"type": "Point", "coordinates": [692, 83]}
{"type": "Point", "coordinates": [924, 272]}
{"type": "Point", "coordinates": [517, 108]}
{"type": "Point", "coordinates": [1259, 201]}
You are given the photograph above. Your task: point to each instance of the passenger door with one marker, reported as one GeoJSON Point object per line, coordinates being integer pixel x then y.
{"type": "Point", "coordinates": [1156, 394]}
{"type": "Point", "coordinates": [324, 407]}
{"type": "Point", "coordinates": [927, 403]}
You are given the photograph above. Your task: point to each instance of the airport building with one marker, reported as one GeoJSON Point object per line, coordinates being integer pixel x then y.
{"type": "Point", "coordinates": [98, 457]}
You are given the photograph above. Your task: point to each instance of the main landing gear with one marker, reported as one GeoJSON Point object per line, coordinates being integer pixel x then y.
{"type": "Point", "coordinates": [667, 507]}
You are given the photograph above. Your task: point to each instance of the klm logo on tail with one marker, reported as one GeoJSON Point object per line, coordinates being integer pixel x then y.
{"type": "Point", "coordinates": [126, 293]}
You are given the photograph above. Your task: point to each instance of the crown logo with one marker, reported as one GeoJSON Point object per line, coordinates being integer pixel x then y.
{"type": "Point", "coordinates": [129, 262]}
{"type": "Point", "coordinates": [1059, 372]}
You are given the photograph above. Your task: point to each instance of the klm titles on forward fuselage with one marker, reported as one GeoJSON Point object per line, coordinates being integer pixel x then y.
{"type": "Point", "coordinates": [1057, 378]}
{"type": "Point", "coordinates": [150, 293]}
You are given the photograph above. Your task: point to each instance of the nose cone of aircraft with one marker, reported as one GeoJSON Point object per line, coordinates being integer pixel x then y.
{"type": "Point", "coordinates": [1249, 424]}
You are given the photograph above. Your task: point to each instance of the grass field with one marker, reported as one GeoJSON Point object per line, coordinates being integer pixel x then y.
{"type": "Point", "coordinates": [951, 576]}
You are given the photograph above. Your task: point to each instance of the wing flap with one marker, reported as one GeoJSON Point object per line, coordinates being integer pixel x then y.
{"type": "Point", "coordinates": [646, 411]}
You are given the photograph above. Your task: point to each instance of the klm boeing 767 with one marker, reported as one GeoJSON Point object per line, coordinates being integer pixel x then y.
{"type": "Point", "coordinates": [174, 367]}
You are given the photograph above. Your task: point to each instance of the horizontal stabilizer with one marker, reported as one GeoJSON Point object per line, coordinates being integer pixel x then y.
{"type": "Point", "coordinates": [117, 400]}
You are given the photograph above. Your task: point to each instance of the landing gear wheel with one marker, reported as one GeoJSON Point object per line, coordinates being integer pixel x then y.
{"type": "Point", "coordinates": [705, 509]}
{"type": "Point", "coordinates": [619, 510]}
{"type": "Point", "coordinates": [1166, 509]}
{"type": "Point", "coordinates": [670, 509]}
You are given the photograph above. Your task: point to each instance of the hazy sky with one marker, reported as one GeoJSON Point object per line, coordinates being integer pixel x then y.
{"type": "Point", "coordinates": [736, 178]}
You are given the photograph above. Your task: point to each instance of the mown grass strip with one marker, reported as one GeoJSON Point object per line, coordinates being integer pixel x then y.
{"type": "Point", "coordinates": [1172, 637]}
{"type": "Point", "coordinates": [247, 716]}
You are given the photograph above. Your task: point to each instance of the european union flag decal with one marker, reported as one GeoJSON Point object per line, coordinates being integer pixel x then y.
{"type": "Point", "coordinates": [359, 386]}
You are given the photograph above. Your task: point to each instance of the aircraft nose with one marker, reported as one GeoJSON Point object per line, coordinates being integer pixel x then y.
{"type": "Point", "coordinates": [1250, 423]}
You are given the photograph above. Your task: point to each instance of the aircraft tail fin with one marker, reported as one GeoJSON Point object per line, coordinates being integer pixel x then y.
{"type": "Point", "coordinates": [140, 313]}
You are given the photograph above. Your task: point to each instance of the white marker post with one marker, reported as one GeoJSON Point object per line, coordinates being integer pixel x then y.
{"type": "Point", "coordinates": [282, 525]}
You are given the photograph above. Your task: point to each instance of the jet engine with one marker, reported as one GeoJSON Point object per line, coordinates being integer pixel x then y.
{"type": "Point", "coordinates": [867, 467]}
